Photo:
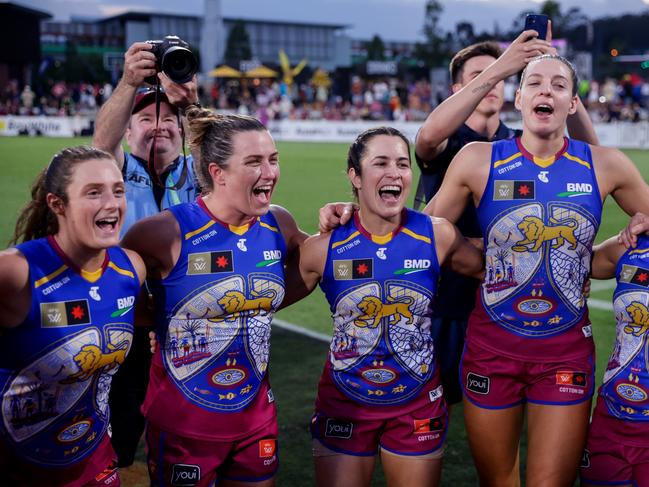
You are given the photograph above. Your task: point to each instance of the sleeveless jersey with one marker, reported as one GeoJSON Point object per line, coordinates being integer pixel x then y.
{"type": "Point", "coordinates": [626, 380]}
{"type": "Point", "coordinates": [539, 218]}
{"type": "Point", "coordinates": [56, 367]}
{"type": "Point", "coordinates": [380, 292]}
{"type": "Point", "coordinates": [139, 189]}
{"type": "Point", "coordinates": [214, 313]}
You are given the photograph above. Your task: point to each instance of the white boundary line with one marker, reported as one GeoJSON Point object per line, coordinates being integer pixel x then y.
{"type": "Point", "coordinates": [602, 285]}
{"type": "Point", "coordinates": [600, 304]}
{"type": "Point", "coordinates": [285, 325]}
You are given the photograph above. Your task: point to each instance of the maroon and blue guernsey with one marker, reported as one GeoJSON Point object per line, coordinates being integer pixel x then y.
{"type": "Point", "coordinates": [56, 367]}
{"type": "Point", "coordinates": [214, 311]}
{"type": "Point", "coordinates": [626, 380]}
{"type": "Point", "coordinates": [380, 291]}
{"type": "Point", "coordinates": [539, 218]}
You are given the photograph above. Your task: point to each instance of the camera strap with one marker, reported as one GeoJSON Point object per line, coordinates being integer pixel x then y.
{"type": "Point", "coordinates": [151, 162]}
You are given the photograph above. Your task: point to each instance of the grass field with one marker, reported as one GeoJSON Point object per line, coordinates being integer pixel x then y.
{"type": "Point", "coordinates": [312, 174]}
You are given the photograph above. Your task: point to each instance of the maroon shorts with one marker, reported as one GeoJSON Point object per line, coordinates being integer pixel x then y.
{"type": "Point", "coordinates": [494, 381]}
{"type": "Point", "coordinates": [178, 460]}
{"type": "Point", "coordinates": [98, 469]}
{"type": "Point", "coordinates": [419, 432]}
{"type": "Point", "coordinates": [609, 461]}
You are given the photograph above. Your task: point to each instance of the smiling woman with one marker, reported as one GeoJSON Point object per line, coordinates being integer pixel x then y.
{"type": "Point", "coordinates": [380, 390]}
{"type": "Point", "coordinates": [529, 344]}
{"type": "Point", "coordinates": [209, 407]}
{"type": "Point", "coordinates": [63, 335]}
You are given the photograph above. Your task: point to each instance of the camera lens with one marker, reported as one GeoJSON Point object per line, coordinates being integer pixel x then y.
{"type": "Point", "coordinates": [179, 64]}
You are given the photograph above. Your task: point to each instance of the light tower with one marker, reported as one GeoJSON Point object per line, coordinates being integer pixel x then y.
{"type": "Point", "coordinates": [212, 36]}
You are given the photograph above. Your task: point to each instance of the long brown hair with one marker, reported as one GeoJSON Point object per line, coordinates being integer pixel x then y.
{"type": "Point", "coordinates": [36, 219]}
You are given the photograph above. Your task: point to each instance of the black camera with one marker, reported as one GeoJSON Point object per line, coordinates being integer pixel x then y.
{"type": "Point", "coordinates": [173, 58]}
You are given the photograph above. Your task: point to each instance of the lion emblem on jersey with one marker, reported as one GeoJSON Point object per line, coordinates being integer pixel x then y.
{"type": "Point", "coordinates": [536, 233]}
{"type": "Point", "coordinates": [91, 359]}
{"type": "Point", "coordinates": [235, 304]}
{"type": "Point", "coordinates": [640, 316]}
{"type": "Point", "coordinates": [374, 310]}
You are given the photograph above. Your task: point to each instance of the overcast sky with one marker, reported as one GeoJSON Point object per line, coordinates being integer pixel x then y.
{"type": "Point", "coordinates": [391, 19]}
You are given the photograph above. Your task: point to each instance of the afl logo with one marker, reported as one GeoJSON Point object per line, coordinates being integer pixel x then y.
{"type": "Point", "coordinates": [534, 306]}
{"type": "Point", "coordinates": [74, 431]}
{"type": "Point", "coordinates": [630, 392]}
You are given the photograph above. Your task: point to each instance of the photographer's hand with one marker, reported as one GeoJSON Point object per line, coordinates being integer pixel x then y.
{"type": "Point", "coordinates": [139, 63]}
{"type": "Point", "coordinates": [180, 95]}
{"type": "Point", "coordinates": [524, 48]}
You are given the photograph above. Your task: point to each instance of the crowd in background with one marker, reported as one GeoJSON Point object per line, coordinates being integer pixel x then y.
{"type": "Point", "coordinates": [376, 99]}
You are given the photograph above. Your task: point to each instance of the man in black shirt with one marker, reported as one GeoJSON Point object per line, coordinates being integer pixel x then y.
{"type": "Point", "coordinates": [472, 114]}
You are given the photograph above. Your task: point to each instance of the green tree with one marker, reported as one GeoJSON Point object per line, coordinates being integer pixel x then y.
{"type": "Point", "coordinates": [375, 49]}
{"type": "Point", "coordinates": [464, 34]}
{"type": "Point", "coordinates": [237, 47]}
{"type": "Point", "coordinates": [434, 52]}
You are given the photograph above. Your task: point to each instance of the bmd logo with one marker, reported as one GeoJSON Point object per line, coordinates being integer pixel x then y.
{"type": "Point", "coordinates": [272, 254]}
{"type": "Point", "coordinates": [413, 265]}
{"type": "Point", "coordinates": [183, 475]}
{"type": "Point", "coordinates": [577, 189]}
{"type": "Point", "coordinates": [271, 257]}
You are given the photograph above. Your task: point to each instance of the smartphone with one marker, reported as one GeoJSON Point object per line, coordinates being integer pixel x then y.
{"type": "Point", "coordinates": [537, 22]}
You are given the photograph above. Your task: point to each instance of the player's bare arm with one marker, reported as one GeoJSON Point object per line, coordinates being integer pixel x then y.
{"type": "Point", "coordinates": [605, 257]}
{"type": "Point", "coordinates": [619, 177]}
{"type": "Point", "coordinates": [15, 293]}
{"type": "Point", "coordinates": [157, 240]}
{"type": "Point", "coordinates": [305, 267]}
{"type": "Point", "coordinates": [455, 110]}
{"type": "Point", "coordinates": [466, 178]}
{"type": "Point", "coordinates": [455, 251]}
{"type": "Point", "coordinates": [113, 117]}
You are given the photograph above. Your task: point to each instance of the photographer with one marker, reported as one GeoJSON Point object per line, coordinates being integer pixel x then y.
{"type": "Point", "coordinates": [131, 112]}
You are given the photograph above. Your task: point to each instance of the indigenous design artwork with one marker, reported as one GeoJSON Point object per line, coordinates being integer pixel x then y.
{"type": "Point", "coordinates": [383, 337]}
{"type": "Point", "coordinates": [218, 340]}
{"type": "Point", "coordinates": [625, 379]}
{"type": "Point", "coordinates": [537, 263]}
{"type": "Point", "coordinates": [50, 405]}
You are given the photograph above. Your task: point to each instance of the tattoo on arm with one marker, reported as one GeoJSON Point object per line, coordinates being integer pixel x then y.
{"type": "Point", "coordinates": [482, 87]}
